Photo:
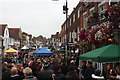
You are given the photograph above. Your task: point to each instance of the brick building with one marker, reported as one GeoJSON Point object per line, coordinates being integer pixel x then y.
{"type": "Point", "coordinates": [78, 18]}
{"type": "Point", "coordinates": [85, 16]}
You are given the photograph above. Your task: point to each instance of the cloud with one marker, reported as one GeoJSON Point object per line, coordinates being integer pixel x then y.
{"type": "Point", "coordinates": [37, 17]}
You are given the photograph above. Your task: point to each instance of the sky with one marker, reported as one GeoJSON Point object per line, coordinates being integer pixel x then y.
{"type": "Point", "coordinates": [36, 17]}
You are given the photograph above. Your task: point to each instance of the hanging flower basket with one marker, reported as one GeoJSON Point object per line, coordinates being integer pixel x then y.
{"type": "Point", "coordinates": [114, 12]}
{"type": "Point", "coordinates": [82, 34]}
{"type": "Point", "coordinates": [96, 35]}
{"type": "Point", "coordinates": [104, 33]}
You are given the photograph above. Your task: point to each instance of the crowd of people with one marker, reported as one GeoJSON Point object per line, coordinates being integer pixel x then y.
{"type": "Point", "coordinates": [53, 67]}
{"type": "Point", "coordinates": [109, 71]}
{"type": "Point", "coordinates": [35, 67]}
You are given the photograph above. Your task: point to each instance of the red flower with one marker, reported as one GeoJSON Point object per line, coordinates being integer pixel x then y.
{"type": "Point", "coordinates": [82, 35]}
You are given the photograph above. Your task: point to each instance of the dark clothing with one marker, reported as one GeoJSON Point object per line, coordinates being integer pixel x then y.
{"type": "Point", "coordinates": [45, 75]}
{"type": "Point", "coordinates": [88, 73]}
{"type": "Point", "coordinates": [25, 64]}
{"type": "Point", "coordinates": [59, 76]}
{"type": "Point", "coordinates": [34, 70]}
{"type": "Point", "coordinates": [51, 66]}
{"type": "Point", "coordinates": [106, 74]}
{"type": "Point", "coordinates": [8, 60]}
{"type": "Point", "coordinates": [6, 74]}
{"type": "Point", "coordinates": [30, 77]}
{"type": "Point", "coordinates": [83, 68]}
{"type": "Point", "coordinates": [72, 75]}
{"type": "Point", "coordinates": [16, 77]}
{"type": "Point", "coordinates": [20, 73]}
{"type": "Point", "coordinates": [64, 69]}
{"type": "Point", "coordinates": [77, 61]}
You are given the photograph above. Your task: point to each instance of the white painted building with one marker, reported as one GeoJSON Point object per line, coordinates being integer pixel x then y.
{"type": "Point", "coordinates": [5, 35]}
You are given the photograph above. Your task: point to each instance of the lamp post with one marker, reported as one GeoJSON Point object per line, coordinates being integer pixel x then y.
{"type": "Point", "coordinates": [65, 11]}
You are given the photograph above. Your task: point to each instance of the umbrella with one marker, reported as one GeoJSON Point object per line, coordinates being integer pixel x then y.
{"type": "Point", "coordinates": [11, 50]}
{"type": "Point", "coordinates": [24, 47]}
{"type": "Point", "coordinates": [109, 53]}
{"type": "Point", "coordinates": [43, 51]}
{"type": "Point", "coordinates": [18, 50]}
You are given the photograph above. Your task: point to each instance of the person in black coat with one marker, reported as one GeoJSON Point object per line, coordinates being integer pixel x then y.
{"type": "Point", "coordinates": [89, 71]}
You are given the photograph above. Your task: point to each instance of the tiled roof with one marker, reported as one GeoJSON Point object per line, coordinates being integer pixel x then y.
{"type": "Point", "coordinates": [14, 33]}
{"type": "Point", "coordinates": [3, 28]}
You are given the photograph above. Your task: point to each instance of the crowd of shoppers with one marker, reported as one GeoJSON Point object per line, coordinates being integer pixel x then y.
{"type": "Point", "coordinates": [109, 71]}
{"type": "Point", "coordinates": [32, 67]}
{"type": "Point", "coordinates": [53, 67]}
